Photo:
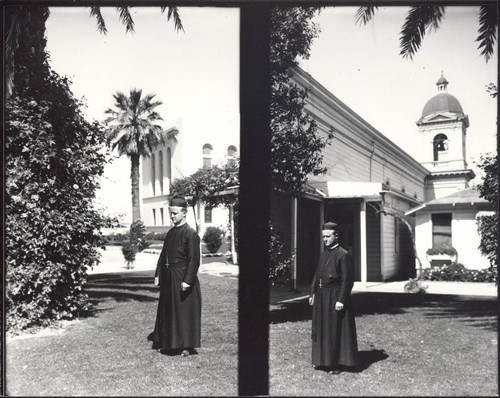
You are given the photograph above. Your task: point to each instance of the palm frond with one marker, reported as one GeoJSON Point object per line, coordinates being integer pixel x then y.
{"type": "Point", "coordinates": [364, 14]}
{"type": "Point", "coordinates": [173, 12]}
{"type": "Point", "coordinates": [13, 30]}
{"type": "Point", "coordinates": [126, 18]}
{"type": "Point", "coordinates": [488, 24]}
{"type": "Point", "coordinates": [95, 11]}
{"type": "Point", "coordinates": [418, 21]}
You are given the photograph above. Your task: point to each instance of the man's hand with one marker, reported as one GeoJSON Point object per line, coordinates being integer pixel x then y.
{"type": "Point", "coordinates": [311, 299]}
{"type": "Point", "coordinates": [339, 306]}
{"type": "Point", "coordinates": [157, 280]}
{"type": "Point", "coordinates": [185, 286]}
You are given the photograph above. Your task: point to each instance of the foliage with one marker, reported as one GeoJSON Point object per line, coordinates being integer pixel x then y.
{"type": "Point", "coordinates": [53, 158]}
{"type": "Point", "coordinates": [488, 225]}
{"type": "Point", "coordinates": [458, 273]}
{"type": "Point", "coordinates": [206, 186]}
{"type": "Point", "coordinates": [296, 144]}
{"type": "Point", "coordinates": [415, 286]}
{"type": "Point", "coordinates": [213, 238]}
{"type": "Point", "coordinates": [448, 250]}
{"type": "Point", "coordinates": [132, 131]}
{"type": "Point", "coordinates": [138, 235]}
{"type": "Point", "coordinates": [422, 19]}
{"type": "Point", "coordinates": [280, 268]}
{"type": "Point", "coordinates": [129, 250]}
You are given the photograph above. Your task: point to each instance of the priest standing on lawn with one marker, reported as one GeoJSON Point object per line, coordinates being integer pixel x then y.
{"type": "Point", "coordinates": [334, 340]}
{"type": "Point", "coordinates": [178, 320]}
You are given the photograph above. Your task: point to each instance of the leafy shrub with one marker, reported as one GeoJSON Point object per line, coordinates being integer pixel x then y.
{"type": "Point", "coordinates": [457, 272]}
{"type": "Point", "coordinates": [280, 268]}
{"type": "Point", "coordinates": [117, 239]}
{"type": "Point", "coordinates": [213, 238]}
{"type": "Point", "coordinates": [53, 159]}
{"type": "Point", "coordinates": [129, 251]}
{"type": "Point", "coordinates": [159, 236]}
{"type": "Point", "coordinates": [138, 235]}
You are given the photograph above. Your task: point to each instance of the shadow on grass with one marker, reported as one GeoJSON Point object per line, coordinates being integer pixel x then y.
{"type": "Point", "coordinates": [476, 311]}
{"type": "Point", "coordinates": [365, 360]}
{"type": "Point", "coordinates": [137, 286]}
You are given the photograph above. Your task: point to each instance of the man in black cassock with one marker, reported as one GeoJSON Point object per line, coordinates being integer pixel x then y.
{"type": "Point", "coordinates": [334, 340]}
{"type": "Point", "coordinates": [178, 319]}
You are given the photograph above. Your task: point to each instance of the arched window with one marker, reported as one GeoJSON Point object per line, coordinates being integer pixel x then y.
{"type": "Point", "coordinates": [153, 173]}
{"type": "Point", "coordinates": [440, 144]}
{"type": "Point", "coordinates": [161, 172]}
{"type": "Point", "coordinates": [207, 156]}
{"type": "Point", "coordinates": [231, 155]}
{"type": "Point", "coordinates": [169, 163]}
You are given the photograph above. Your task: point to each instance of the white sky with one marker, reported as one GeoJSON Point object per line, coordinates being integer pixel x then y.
{"type": "Point", "coordinates": [362, 67]}
{"type": "Point", "coordinates": [192, 71]}
{"type": "Point", "coordinates": [198, 70]}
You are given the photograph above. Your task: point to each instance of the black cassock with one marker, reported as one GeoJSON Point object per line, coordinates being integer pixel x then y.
{"type": "Point", "coordinates": [178, 319]}
{"type": "Point", "coordinates": [334, 340]}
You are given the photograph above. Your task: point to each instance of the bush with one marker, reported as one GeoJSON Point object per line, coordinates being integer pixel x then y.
{"type": "Point", "coordinates": [158, 236]}
{"type": "Point", "coordinates": [280, 268]}
{"type": "Point", "coordinates": [457, 272]}
{"type": "Point", "coordinates": [53, 160]}
{"type": "Point", "coordinates": [129, 251]}
{"type": "Point", "coordinates": [138, 235]}
{"type": "Point", "coordinates": [213, 238]}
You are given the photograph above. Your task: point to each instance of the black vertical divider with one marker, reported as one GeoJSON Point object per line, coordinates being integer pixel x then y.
{"type": "Point", "coordinates": [254, 196]}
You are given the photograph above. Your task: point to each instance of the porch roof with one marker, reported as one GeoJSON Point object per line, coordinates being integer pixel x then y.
{"type": "Point", "coordinates": [347, 189]}
{"type": "Point", "coordinates": [467, 197]}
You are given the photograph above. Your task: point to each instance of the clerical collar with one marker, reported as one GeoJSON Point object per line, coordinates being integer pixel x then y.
{"type": "Point", "coordinates": [333, 247]}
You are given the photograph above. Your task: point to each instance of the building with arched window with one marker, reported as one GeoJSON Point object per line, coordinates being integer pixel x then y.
{"type": "Point", "coordinates": [379, 195]}
{"type": "Point", "coordinates": [197, 141]}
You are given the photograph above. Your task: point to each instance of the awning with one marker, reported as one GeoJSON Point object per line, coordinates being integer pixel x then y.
{"type": "Point", "coordinates": [348, 189]}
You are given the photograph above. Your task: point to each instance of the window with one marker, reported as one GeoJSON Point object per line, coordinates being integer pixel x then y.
{"type": "Point", "coordinates": [169, 163]}
{"type": "Point", "coordinates": [161, 173]}
{"type": "Point", "coordinates": [231, 156]}
{"type": "Point", "coordinates": [208, 215]}
{"type": "Point", "coordinates": [161, 216]}
{"type": "Point", "coordinates": [396, 235]}
{"type": "Point", "coordinates": [207, 156]}
{"type": "Point", "coordinates": [440, 144]}
{"type": "Point", "coordinates": [154, 216]}
{"type": "Point", "coordinates": [441, 230]}
{"type": "Point", "coordinates": [153, 173]}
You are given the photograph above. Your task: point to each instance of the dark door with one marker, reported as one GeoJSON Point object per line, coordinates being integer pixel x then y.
{"type": "Point", "coordinates": [308, 240]}
{"type": "Point", "coordinates": [346, 215]}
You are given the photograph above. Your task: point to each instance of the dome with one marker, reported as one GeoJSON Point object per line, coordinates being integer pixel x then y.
{"type": "Point", "coordinates": [440, 103]}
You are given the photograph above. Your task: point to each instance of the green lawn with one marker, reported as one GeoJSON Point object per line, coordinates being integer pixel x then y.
{"type": "Point", "coordinates": [107, 354]}
{"type": "Point", "coordinates": [427, 345]}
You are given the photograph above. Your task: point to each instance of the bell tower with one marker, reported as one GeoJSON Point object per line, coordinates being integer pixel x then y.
{"type": "Point", "coordinates": [443, 130]}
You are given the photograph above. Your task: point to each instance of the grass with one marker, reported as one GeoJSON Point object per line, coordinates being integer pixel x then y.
{"type": "Point", "coordinates": [425, 345]}
{"type": "Point", "coordinates": [107, 354]}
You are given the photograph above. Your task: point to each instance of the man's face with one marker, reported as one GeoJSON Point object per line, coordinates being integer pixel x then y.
{"type": "Point", "coordinates": [177, 215]}
{"type": "Point", "coordinates": [330, 237]}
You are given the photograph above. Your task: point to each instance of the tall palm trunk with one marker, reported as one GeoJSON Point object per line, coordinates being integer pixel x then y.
{"type": "Point", "coordinates": [26, 66]}
{"type": "Point", "coordinates": [135, 179]}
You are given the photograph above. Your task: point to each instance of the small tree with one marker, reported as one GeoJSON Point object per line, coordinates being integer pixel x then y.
{"type": "Point", "coordinates": [138, 235]}
{"type": "Point", "coordinates": [129, 250]}
{"type": "Point", "coordinates": [213, 239]}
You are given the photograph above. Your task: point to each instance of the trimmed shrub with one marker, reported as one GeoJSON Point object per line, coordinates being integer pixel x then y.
{"type": "Point", "coordinates": [213, 238]}
{"type": "Point", "coordinates": [129, 251]}
{"type": "Point", "coordinates": [450, 251]}
{"type": "Point", "coordinates": [138, 235]}
{"type": "Point", "coordinates": [457, 272]}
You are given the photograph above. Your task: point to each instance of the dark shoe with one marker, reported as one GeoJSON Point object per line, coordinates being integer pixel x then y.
{"type": "Point", "coordinates": [334, 372]}
{"type": "Point", "coordinates": [185, 353]}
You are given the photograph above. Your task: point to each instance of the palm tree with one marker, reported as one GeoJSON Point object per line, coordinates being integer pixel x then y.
{"type": "Point", "coordinates": [25, 43]}
{"type": "Point", "coordinates": [132, 131]}
{"type": "Point", "coordinates": [423, 18]}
